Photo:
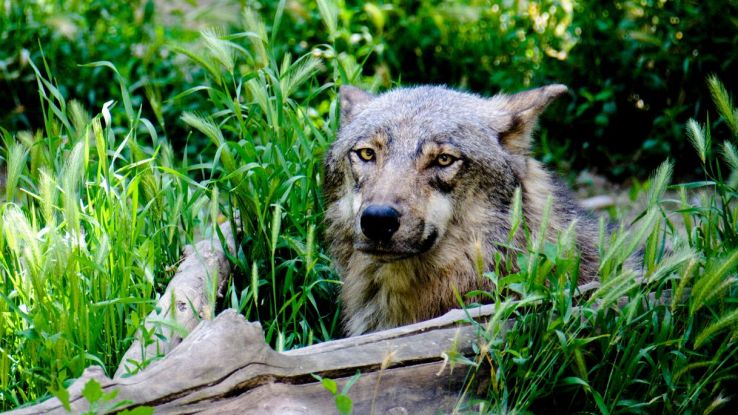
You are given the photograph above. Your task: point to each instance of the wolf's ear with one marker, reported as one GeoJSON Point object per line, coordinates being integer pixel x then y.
{"type": "Point", "coordinates": [353, 100]}
{"type": "Point", "coordinates": [523, 110]}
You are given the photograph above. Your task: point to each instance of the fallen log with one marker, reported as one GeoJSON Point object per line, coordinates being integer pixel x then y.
{"type": "Point", "coordinates": [186, 300]}
{"type": "Point", "coordinates": [224, 366]}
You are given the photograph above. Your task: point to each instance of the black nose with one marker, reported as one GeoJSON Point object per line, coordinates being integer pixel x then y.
{"type": "Point", "coordinates": [380, 222]}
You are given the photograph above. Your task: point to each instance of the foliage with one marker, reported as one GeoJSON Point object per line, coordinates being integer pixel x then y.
{"type": "Point", "coordinates": [269, 137]}
{"type": "Point", "coordinates": [344, 404]}
{"type": "Point", "coordinates": [658, 336]}
{"type": "Point", "coordinates": [91, 222]}
{"type": "Point", "coordinates": [135, 36]}
{"type": "Point", "coordinates": [635, 68]}
{"type": "Point", "coordinates": [101, 402]}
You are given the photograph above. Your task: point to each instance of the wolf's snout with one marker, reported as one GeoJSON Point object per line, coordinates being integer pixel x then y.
{"type": "Point", "coordinates": [380, 222]}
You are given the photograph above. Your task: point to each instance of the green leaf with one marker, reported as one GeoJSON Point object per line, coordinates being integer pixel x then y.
{"type": "Point", "coordinates": [330, 385]}
{"type": "Point", "coordinates": [350, 383]}
{"type": "Point", "coordinates": [344, 404]}
{"type": "Point", "coordinates": [63, 395]}
{"type": "Point", "coordinates": [92, 391]}
{"type": "Point", "coordinates": [127, 105]}
{"type": "Point", "coordinates": [140, 410]}
{"type": "Point", "coordinates": [573, 380]}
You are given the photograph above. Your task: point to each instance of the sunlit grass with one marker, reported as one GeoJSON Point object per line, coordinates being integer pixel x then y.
{"type": "Point", "coordinates": [93, 215]}
{"type": "Point", "coordinates": [268, 161]}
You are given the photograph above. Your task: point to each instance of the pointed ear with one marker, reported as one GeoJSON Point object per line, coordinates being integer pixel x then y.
{"type": "Point", "coordinates": [353, 100]}
{"type": "Point", "coordinates": [523, 109]}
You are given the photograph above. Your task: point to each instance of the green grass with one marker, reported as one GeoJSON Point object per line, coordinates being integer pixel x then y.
{"type": "Point", "coordinates": [96, 211]}
{"type": "Point", "coordinates": [93, 217]}
{"type": "Point", "coordinates": [270, 124]}
{"type": "Point", "coordinates": [658, 336]}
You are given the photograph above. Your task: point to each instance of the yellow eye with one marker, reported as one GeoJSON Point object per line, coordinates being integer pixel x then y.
{"type": "Point", "coordinates": [445, 160]}
{"type": "Point", "coordinates": [366, 154]}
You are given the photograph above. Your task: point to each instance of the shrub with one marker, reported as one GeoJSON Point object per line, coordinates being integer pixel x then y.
{"type": "Point", "coordinates": [635, 68]}
{"type": "Point", "coordinates": [134, 36]}
{"type": "Point", "coordinates": [631, 65]}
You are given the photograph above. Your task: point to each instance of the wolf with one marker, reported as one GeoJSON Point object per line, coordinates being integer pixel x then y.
{"type": "Point", "coordinates": [419, 181]}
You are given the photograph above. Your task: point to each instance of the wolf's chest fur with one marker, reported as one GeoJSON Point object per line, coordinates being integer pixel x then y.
{"type": "Point", "coordinates": [419, 184]}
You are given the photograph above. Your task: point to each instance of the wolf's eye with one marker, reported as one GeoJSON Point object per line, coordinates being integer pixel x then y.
{"type": "Point", "coordinates": [366, 154]}
{"type": "Point", "coordinates": [445, 160]}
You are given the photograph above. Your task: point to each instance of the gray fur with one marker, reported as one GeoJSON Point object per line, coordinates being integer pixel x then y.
{"type": "Point", "coordinates": [449, 215]}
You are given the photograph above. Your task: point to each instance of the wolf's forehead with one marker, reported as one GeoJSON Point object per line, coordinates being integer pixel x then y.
{"type": "Point", "coordinates": [433, 106]}
{"type": "Point", "coordinates": [421, 114]}
{"type": "Point", "coordinates": [409, 133]}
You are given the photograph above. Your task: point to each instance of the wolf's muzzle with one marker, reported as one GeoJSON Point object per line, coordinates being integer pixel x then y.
{"type": "Point", "coordinates": [380, 222]}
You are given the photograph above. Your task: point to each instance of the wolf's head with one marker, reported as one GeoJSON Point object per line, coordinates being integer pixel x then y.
{"type": "Point", "coordinates": [410, 163]}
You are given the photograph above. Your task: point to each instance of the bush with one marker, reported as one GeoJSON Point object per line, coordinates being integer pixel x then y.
{"type": "Point", "coordinates": [635, 68]}
{"type": "Point", "coordinates": [136, 37]}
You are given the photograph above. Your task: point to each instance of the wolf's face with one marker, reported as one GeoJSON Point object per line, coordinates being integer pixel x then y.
{"type": "Point", "coordinates": [407, 164]}
{"type": "Point", "coordinates": [419, 185]}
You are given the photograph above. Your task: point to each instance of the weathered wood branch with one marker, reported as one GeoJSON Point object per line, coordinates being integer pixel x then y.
{"type": "Point", "coordinates": [224, 366]}
{"type": "Point", "coordinates": [186, 301]}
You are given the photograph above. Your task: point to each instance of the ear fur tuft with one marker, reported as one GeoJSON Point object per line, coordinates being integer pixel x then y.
{"type": "Point", "coordinates": [523, 109]}
{"type": "Point", "coordinates": [353, 101]}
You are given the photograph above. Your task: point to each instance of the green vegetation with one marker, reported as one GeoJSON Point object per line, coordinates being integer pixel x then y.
{"type": "Point", "coordinates": [269, 139]}
{"type": "Point", "coordinates": [661, 339]}
{"type": "Point", "coordinates": [636, 69]}
{"type": "Point", "coordinates": [91, 223]}
{"type": "Point", "coordinates": [223, 113]}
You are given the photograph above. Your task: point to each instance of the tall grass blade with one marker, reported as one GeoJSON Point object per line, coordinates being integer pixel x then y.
{"type": "Point", "coordinates": [329, 13]}
{"type": "Point", "coordinates": [714, 281]}
{"type": "Point", "coordinates": [221, 50]}
{"type": "Point", "coordinates": [730, 154]}
{"type": "Point", "coordinates": [659, 182]}
{"type": "Point", "coordinates": [16, 163]}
